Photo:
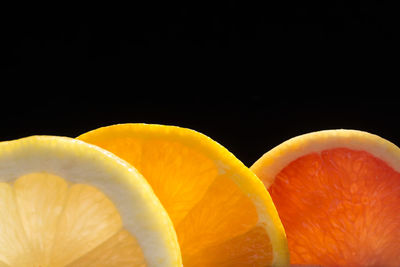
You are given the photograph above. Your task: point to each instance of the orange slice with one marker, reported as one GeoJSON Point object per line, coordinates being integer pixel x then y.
{"type": "Point", "coordinates": [222, 213]}
{"type": "Point", "coordinates": [67, 203]}
{"type": "Point", "coordinates": [338, 196]}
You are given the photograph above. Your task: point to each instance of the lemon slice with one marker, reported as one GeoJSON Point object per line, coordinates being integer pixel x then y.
{"type": "Point", "coordinates": [64, 202]}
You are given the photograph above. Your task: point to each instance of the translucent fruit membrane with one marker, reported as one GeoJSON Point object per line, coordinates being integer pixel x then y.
{"type": "Point", "coordinates": [215, 221]}
{"type": "Point", "coordinates": [47, 222]}
{"type": "Point", "coordinates": [340, 207]}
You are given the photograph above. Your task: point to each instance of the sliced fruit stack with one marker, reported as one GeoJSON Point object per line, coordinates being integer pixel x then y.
{"type": "Point", "coordinates": [142, 195]}
{"type": "Point", "coordinates": [154, 195]}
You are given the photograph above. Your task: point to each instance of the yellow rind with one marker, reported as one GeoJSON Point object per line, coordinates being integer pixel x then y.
{"type": "Point", "coordinates": [78, 162]}
{"type": "Point", "coordinates": [246, 180]}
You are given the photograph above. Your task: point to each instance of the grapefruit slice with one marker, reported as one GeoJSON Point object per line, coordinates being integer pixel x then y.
{"type": "Point", "coordinates": [337, 193]}
{"type": "Point", "coordinates": [222, 213]}
{"type": "Point", "coordinates": [67, 203]}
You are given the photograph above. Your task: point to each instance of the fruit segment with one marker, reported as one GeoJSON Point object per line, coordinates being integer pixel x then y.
{"type": "Point", "coordinates": [232, 214]}
{"type": "Point", "coordinates": [88, 219]}
{"type": "Point", "coordinates": [121, 249]}
{"type": "Point", "coordinates": [13, 240]}
{"type": "Point", "coordinates": [40, 201]}
{"type": "Point", "coordinates": [249, 249]}
{"type": "Point", "coordinates": [179, 176]}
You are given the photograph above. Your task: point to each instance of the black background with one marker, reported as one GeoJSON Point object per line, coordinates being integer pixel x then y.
{"type": "Point", "coordinates": [249, 75]}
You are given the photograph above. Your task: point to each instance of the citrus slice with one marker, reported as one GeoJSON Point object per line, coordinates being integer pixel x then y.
{"type": "Point", "coordinates": [338, 196]}
{"type": "Point", "coordinates": [67, 203]}
{"type": "Point", "coordinates": [222, 213]}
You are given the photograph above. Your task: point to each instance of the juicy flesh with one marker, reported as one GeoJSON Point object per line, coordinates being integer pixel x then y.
{"type": "Point", "coordinates": [214, 220]}
{"type": "Point", "coordinates": [44, 221]}
{"type": "Point", "coordinates": [340, 207]}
